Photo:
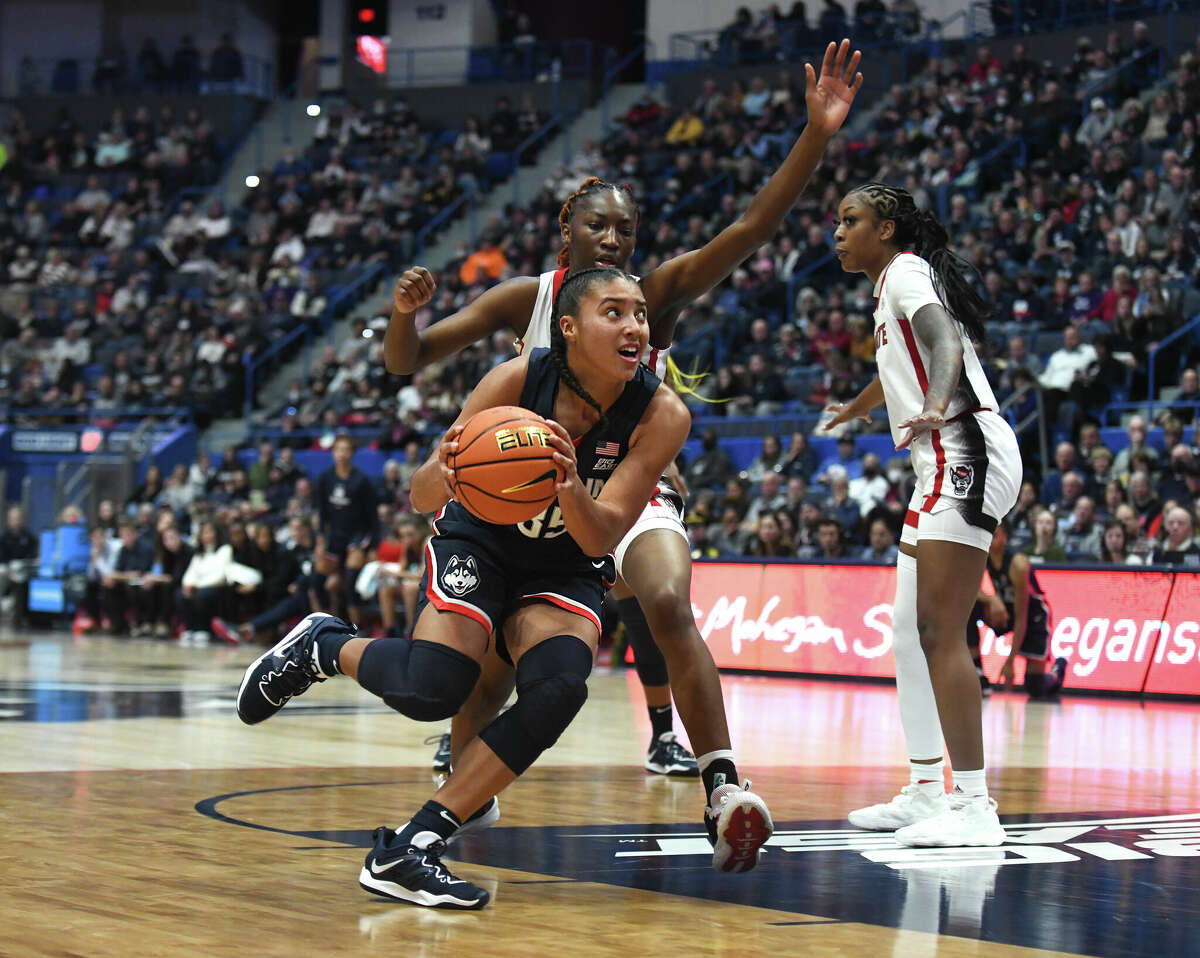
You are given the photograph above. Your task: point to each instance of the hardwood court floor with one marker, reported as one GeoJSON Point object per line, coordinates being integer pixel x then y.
{"type": "Point", "coordinates": [141, 818]}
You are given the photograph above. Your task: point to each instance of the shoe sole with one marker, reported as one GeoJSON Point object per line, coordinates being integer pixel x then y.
{"type": "Point", "coordinates": [288, 640]}
{"type": "Point", "coordinates": [472, 826]}
{"type": "Point", "coordinates": [742, 829]}
{"type": "Point", "coordinates": [395, 892]}
{"type": "Point", "coordinates": [989, 841]}
{"type": "Point", "coordinates": [675, 771]}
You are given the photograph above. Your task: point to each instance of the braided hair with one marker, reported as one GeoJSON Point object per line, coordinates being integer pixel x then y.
{"type": "Point", "coordinates": [566, 303]}
{"type": "Point", "coordinates": [921, 231]}
{"type": "Point", "coordinates": [589, 187]}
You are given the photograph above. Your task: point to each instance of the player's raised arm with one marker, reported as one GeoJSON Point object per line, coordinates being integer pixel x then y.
{"type": "Point", "coordinates": [681, 280]}
{"type": "Point", "coordinates": [506, 306]}
{"type": "Point", "coordinates": [500, 387]}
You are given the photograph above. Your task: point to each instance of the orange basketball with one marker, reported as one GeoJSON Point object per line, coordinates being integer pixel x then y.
{"type": "Point", "coordinates": [504, 469]}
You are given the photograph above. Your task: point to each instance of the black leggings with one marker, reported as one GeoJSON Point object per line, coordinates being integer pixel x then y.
{"type": "Point", "coordinates": [199, 608]}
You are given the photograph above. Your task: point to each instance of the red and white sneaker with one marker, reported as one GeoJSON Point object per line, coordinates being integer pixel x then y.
{"type": "Point", "coordinates": [226, 631]}
{"type": "Point", "coordinates": [738, 826]}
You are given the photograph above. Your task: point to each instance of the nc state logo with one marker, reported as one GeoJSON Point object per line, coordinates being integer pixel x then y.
{"type": "Point", "coordinates": [962, 477]}
{"type": "Point", "coordinates": [461, 575]}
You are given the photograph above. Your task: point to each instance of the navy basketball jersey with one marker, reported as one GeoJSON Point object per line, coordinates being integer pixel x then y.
{"type": "Point", "coordinates": [544, 539]}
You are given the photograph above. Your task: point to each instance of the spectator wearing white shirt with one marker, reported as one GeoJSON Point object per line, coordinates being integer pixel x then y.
{"type": "Point", "coordinates": [1064, 367]}
{"type": "Point", "coordinates": [71, 348]}
{"type": "Point", "coordinates": [321, 224]}
{"type": "Point", "coordinates": [290, 246]}
{"type": "Point", "coordinates": [870, 490]}
{"type": "Point", "coordinates": [184, 223]}
{"type": "Point", "coordinates": [215, 223]}
{"type": "Point", "coordinates": [1127, 228]}
{"type": "Point", "coordinates": [57, 270]}
{"type": "Point", "coordinates": [132, 295]}
{"type": "Point", "coordinates": [93, 195]}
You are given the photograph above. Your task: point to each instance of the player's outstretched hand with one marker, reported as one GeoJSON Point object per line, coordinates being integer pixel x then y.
{"type": "Point", "coordinates": [919, 425]}
{"type": "Point", "coordinates": [414, 289]}
{"type": "Point", "coordinates": [1006, 674]}
{"type": "Point", "coordinates": [564, 454]}
{"type": "Point", "coordinates": [446, 448]}
{"type": "Point", "coordinates": [841, 414]}
{"type": "Point", "coordinates": [829, 95]}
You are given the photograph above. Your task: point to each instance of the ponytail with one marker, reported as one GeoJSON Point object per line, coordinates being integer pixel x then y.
{"type": "Point", "coordinates": [954, 279]}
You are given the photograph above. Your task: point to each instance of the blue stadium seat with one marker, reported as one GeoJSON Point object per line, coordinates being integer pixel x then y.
{"type": "Point", "coordinates": [72, 549]}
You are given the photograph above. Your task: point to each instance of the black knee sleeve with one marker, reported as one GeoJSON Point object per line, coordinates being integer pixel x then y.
{"type": "Point", "coordinates": [426, 681]}
{"type": "Point", "coordinates": [551, 689]}
{"type": "Point", "coordinates": [647, 657]}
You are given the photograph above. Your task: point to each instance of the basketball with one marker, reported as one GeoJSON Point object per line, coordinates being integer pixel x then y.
{"type": "Point", "coordinates": [504, 469]}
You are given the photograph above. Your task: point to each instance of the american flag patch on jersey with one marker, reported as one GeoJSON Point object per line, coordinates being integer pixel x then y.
{"type": "Point", "coordinates": [608, 448]}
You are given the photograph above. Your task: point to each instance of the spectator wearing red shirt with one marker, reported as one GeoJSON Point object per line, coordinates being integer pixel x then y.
{"type": "Point", "coordinates": [1122, 288]}
{"type": "Point", "coordinates": [983, 64]}
{"type": "Point", "coordinates": [835, 336]}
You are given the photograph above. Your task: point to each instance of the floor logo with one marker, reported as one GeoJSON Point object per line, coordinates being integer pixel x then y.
{"type": "Point", "coordinates": [1030, 843]}
{"type": "Point", "coordinates": [1111, 884]}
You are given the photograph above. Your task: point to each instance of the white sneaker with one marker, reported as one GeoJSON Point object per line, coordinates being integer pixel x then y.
{"type": "Point", "coordinates": [912, 805]}
{"type": "Point", "coordinates": [738, 826]}
{"type": "Point", "coordinates": [968, 821]}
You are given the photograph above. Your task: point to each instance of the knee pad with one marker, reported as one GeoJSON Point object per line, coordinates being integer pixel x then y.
{"type": "Point", "coordinates": [647, 657]}
{"type": "Point", "coordinates": [551, 689]}
{"type": "Point", "coordinates": [423, 680]}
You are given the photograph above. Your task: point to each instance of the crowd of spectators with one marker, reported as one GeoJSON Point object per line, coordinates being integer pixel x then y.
{"type": "Point", "coordinates": [240, 551]}
{"type": "Point", "coordinates": [117, 292]}
{"type": "Point", "coordinates": [1087, 252]}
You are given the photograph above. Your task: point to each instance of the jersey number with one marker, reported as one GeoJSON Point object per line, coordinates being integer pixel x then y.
{"type": "Point", "coordinates": [548, 524]}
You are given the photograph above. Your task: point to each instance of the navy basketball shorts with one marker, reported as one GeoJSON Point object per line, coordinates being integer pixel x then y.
{"type": "Point", "coordinates": [465, 576]}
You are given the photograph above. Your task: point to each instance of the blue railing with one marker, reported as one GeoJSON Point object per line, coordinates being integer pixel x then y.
{"type": "Point", "coordinates": [968, 178]}
{"type": "Point", "coordinates": [798, 277]}
{"type": "Point", "coordinates": [89, 414]}
{"type": "Point", "coordinates": [1112, 77]}
{"type": "Point", "coordinates": [444, 215]}
{"type": "Point", "coordinates": [414, 66]}
{"type": "Point", "coordinates": [1152, 359]}
{"type": "Point", "coordinates": [253, 364]}
{"type": "Point", "coordinates": [73, 75]}
{"type": "Point", "coordinates": [612, 70]}
{"type": "Point", "coordinates": [1044, 17]}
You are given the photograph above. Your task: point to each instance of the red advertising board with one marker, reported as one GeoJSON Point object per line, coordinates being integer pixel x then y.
{"type": "Point", "coordinates": [1119, 631]}
{"type": "Point", "coordinates": [1175, 667]}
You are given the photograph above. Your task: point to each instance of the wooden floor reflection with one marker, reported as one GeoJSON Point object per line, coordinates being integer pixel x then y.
{"type": "Point", "coordinates": [141, 818]}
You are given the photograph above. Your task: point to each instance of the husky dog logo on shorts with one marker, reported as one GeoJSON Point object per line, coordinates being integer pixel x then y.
{"type": "Point", "coordinates": [962, 477]}
{"type": "Point", "coordinates": [460, 575]}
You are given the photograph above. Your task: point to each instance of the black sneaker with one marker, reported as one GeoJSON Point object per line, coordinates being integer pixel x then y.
{"type": "Point", "coordinates": [1059, 671]}
{"type": "Point", "coordinates": [441, 758]}
{"type": "Point", "coordinates": [407, 873]}
{"type": "Point", "coordinates": [484, 817]}
{"type": "Point", "coordinates": [286, 669]}
{"type": "Point", "coordinates": [667, 756]}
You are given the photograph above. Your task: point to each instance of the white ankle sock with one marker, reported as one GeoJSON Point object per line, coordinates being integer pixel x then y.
{"type": "Point", "coordinates": [973, 784]}
{"type": "Point", "coordinates": [929, 777]}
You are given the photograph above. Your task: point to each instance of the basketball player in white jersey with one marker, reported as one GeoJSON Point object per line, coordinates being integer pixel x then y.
{"type": "Point", "coordinates": [968, 467]}
{"type": "Point", "coordinates": [599, 226]}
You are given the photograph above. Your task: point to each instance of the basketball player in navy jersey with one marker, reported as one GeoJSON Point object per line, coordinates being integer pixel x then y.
{"type": "Point", "coordinates": [530, 591]}
{"type": "Point", "coordinates": [598, 225]}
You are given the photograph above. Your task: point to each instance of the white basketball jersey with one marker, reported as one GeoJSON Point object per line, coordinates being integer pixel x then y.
{"type": "Point", "coordinates": [537, 334]}
{"type": "Point", "coordinates": [903, 361]}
